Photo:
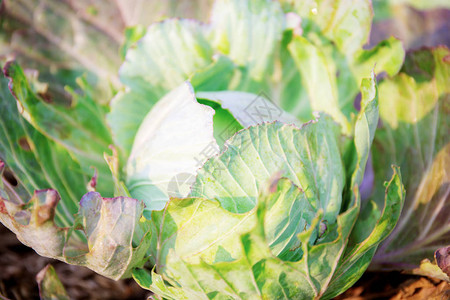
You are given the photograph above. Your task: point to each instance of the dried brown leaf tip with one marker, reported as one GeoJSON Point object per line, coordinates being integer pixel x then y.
{"type": "Point", "coordinates": [442, 257]}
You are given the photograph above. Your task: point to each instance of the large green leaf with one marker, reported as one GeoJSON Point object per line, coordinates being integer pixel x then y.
{"type": "Point", "coordinates": [216, 262]}
{"type": "Point", "coordinates": [308, 156]}
{"type": "Point", "coordinates": [216, 230]}
{"type": "Point", "coordinates": [248, 32]}
{"type": "Point", "coordinates": [181, 49]}
{"type": "Point", "coordinates": [414, 111]}
{"type": "Point", "coordinates": [36, 161]}
{"type": "Point", "coordinates": [330, 61]}
{"type": "Point", "coordinates": [241, 172]}
{"type": "Point", "coordinates": [366, 235]}
{"type": "Point", "coordinates": [346, 23]}
{"type": "Point", "coordinates": [319, 78]}
{"type": "Point", "coordinates": [80, 127]}
{"type": "Point", "coordinates": [365, 126]}
{"type": "Point", "coordinates": [228, 267]}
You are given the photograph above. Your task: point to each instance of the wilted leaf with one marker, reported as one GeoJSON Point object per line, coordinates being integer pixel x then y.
{"type": "Point", "coordinates": [50, 287]}
{"type": "Point", "coordinates": [37, 162]}
{"type": "Point", "coordinates": [41, 219]}
{"type": "Point", "coordinates": [442, 257]}
{"type": "Point", "coordinates": [429, 269]}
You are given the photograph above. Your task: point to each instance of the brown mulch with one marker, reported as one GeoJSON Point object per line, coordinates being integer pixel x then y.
{"type": "Point", "coordinates": [396, 286]}
{"type": "Point", "coordinates": [20, 264]}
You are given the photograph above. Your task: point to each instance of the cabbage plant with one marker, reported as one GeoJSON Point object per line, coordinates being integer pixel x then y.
{"type": "Point", "coordinates": [268, 216]}
{"type": "Point", "coordinates": [228, 166]}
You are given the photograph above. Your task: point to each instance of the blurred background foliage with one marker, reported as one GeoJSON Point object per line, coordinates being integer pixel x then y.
{"type": "Point", "coordinates": [64, 39]}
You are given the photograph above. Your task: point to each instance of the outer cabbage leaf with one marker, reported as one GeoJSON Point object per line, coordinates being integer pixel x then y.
{"type": "Point", "coordinates": [319, 79]}
{"type": "Point", "coordinates": [215, 240]}
{"type": "Point", "coordinates": [80, 128]}
{"type": "Point", "coordinates": [235, 178]}
{"type": "Point", "coordinates": [346, 23]}
{"type": "Point", "coordinates": [332, 36]}
{"type": "Point", "coordinates": [361, 247]}
{"type": "Point", "coordinates": [308, 156]}
{"type": "Point", "coordinates": [252, 271]}
{"type": "Point", "coordinates": [101, 235]}
{"type": "Point", "coordinates": [36, 161]}
{"type": "Point", "coordinates": [108, 224]}
{"type": "Point", "coordinates": [414, 110]}
{"type": "Point", "coordinates": [248, 32]}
